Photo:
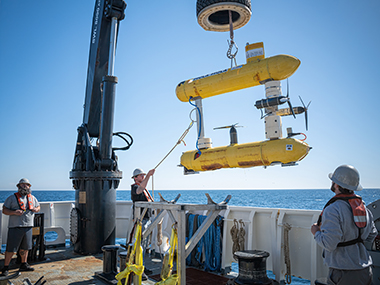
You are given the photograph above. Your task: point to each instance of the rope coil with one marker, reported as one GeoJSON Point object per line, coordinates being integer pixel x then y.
{"type": "Point", "coordinates": [234, 235]}
{"type": "Point", "coordinates": [209, 247]}
{"type": "Point", "coordinates": [238, 236]}
{"type": "Point", "coordinates": [241, 235]}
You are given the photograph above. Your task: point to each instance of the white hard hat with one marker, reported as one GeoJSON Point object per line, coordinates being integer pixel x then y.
{"type": "Point", "coordinates": [346, 176]}
{"type": "Point", "coordinates": [24, 181]}
{"type": "Point", "coordinates": [138, 171]}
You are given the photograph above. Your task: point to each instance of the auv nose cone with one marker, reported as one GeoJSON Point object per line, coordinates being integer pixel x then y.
{"type": "Point", "coordinates": [282, 66]}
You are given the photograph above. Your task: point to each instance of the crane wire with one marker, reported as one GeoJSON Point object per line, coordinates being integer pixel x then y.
{"type": "Point", "coordinates": [231, 43]}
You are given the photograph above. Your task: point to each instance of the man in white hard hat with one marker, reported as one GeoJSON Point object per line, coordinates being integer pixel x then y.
{"type": "Point", "coordinates": [140, 193]}
{"type": "Point", "coordinates": [20, 208]}
{"type": "Point", "coordinates": [343, 227]}
{"type": "Point", "coordinates": [138, 189]}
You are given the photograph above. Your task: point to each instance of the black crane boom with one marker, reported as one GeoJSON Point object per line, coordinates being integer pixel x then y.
{"type": "Point", "coordinates": [95, 173]}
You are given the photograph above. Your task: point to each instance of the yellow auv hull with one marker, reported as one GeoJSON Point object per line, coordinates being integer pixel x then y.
{"type": "Point", "coordinates": [263, 153]}
{"type": "Point", "coordinates": [251, 74]}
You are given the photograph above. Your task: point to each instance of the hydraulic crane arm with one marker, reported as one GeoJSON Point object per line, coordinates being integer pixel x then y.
{"type": "Point", "coordinates": [95, 172]}
{"type": "Point", "coordinates": [98, 63]}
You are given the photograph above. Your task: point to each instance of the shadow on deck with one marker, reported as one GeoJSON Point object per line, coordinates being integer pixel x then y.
{"type": "Point", "coordinates": [62, 266]}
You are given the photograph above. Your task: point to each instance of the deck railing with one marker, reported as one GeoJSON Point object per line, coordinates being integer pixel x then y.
{"type": "Point", "coordinates": [264, 229]}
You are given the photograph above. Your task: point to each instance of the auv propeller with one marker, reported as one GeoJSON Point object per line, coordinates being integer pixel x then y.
{"type": "Point", "coordinates": [275, 101]}
{"type": "Point", "coordinates": [233, 132]}
{"type": "Point", "coordinates": [295, 110]}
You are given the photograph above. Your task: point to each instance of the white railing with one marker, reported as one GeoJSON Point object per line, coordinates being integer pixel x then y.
{"type": "Point", "coordinates": [264, 229]}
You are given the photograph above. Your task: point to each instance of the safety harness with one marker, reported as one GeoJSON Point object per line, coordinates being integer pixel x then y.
{"type": "Point", "coordinates": [135, 261]}
{"type": "Point", "coordinates": [358, 211]}
{"type": "Point", "coordinates": [21, 203]}
{"type": "Point", "coordinates": [167, 277]}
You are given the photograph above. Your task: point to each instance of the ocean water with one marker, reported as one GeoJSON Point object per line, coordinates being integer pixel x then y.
{"type": "Point", "coordinates": [289, 199]}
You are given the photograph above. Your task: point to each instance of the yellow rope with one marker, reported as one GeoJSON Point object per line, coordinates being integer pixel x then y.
{"type": "Point", "coordinates": [166, 273]}
{"type": "Point", "coordinates": [135, 262]}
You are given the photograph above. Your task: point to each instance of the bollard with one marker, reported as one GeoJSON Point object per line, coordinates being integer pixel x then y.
{"type": "Point", "coordinates": [110, 258]}
{"type": "Point", "coordinates": [252, 267]}
{"type": "Point", "coordinates": [123, 259]}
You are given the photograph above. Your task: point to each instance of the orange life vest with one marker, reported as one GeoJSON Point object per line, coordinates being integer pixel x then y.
{"type": "Point", "coordinates": [21, 203]}
{"type": "Point", "coordinates": [146, 193]}
{"type": "Point", "coordinates": [358, 211]}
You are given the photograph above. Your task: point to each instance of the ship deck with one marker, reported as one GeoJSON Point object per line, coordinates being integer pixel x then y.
{"type": "Point", "coordinates": [62, 266]}
{"type": "Point", "coordinates": [264, 229]}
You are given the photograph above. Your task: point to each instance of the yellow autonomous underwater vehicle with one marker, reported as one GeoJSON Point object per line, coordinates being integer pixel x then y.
{"type": "Point", "coordinates": [257, 71]}
{"type": "Point", "coordinates": [283, 151]}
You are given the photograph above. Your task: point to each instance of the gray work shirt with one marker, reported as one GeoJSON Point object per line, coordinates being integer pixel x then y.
{"type": "Point", "coordinates": [338, 226]}
{"type": "Point", "coordinates": [26, 219]}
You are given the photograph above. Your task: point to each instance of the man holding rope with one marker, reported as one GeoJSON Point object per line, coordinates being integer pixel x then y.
{"type": "Point", "coordinates": [140, 193]}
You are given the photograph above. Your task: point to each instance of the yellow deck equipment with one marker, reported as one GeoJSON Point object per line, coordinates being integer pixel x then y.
{"type": "Point", "coordinates": [135, 261]}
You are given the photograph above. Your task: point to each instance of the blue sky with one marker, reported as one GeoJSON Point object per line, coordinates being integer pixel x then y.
{"type": "Point", "coordinates": [44, 55]}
